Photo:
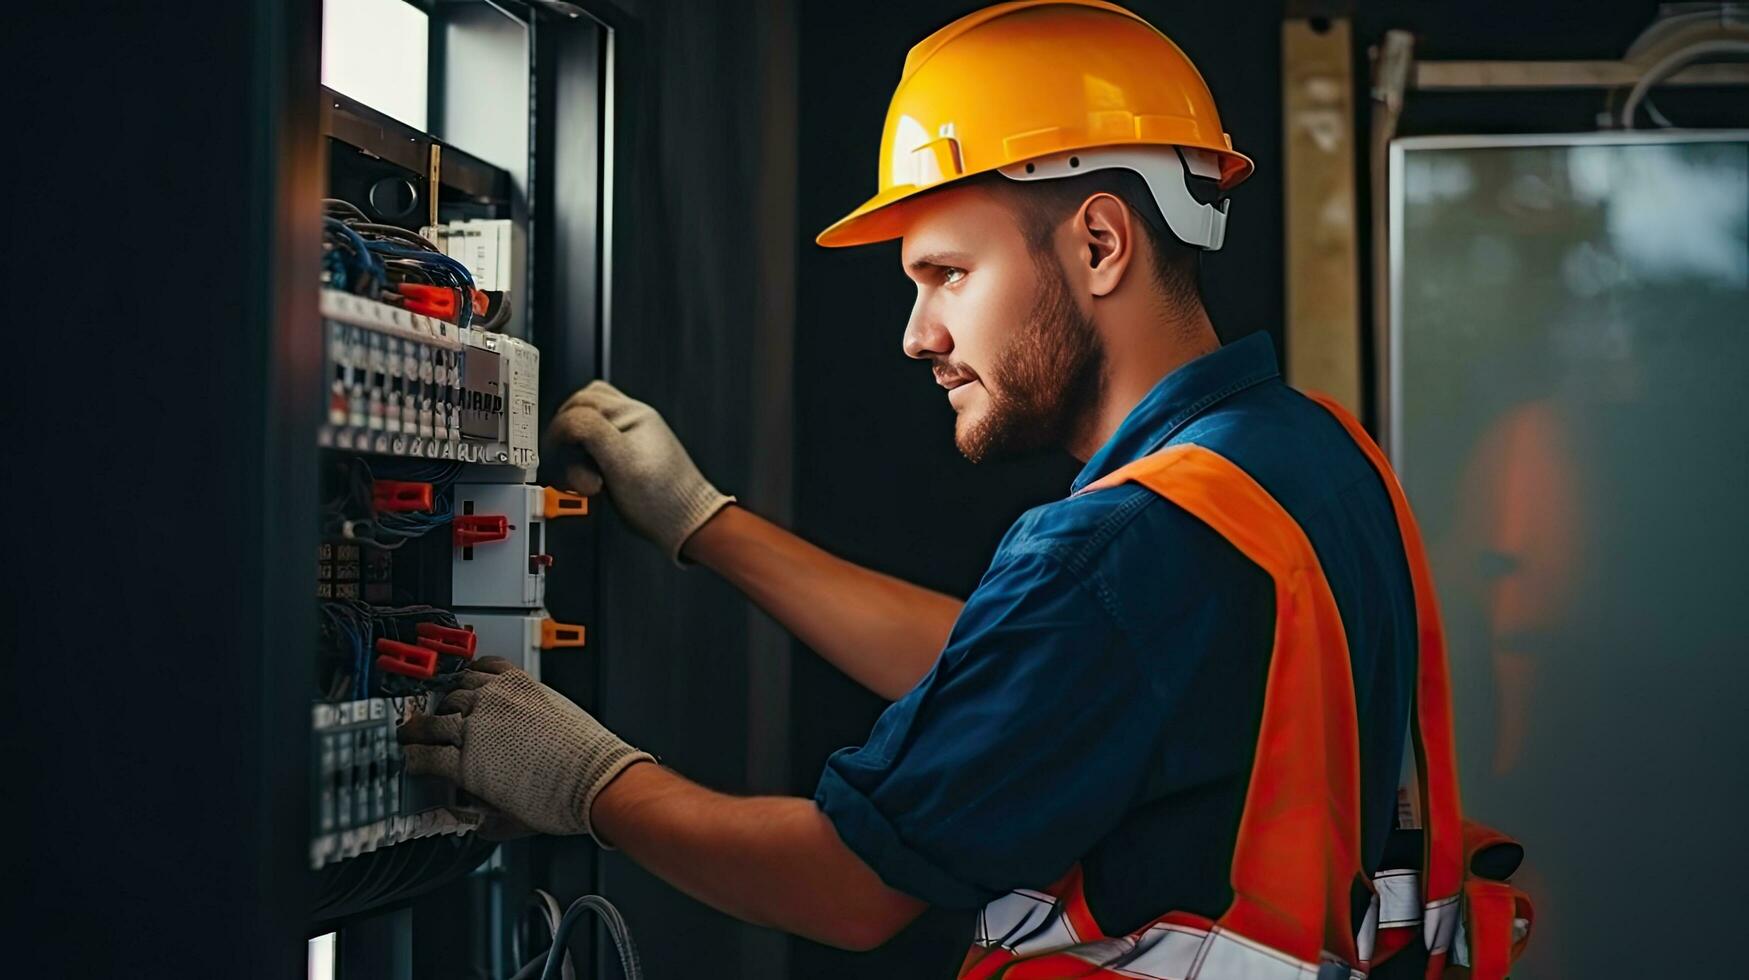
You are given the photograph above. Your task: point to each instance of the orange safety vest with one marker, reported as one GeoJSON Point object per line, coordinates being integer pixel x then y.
{"type": "Point", "coordinates": [1297, 857]}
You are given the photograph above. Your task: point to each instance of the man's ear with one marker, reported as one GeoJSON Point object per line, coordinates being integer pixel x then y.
{"type": "Point", "coordinates": [1106, 237]}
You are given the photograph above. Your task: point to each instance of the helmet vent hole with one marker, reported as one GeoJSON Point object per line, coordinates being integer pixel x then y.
{"type": "Point", "coordinates": [1074, 161]}
{"type": "Point", "coordinates": [1030, 168]}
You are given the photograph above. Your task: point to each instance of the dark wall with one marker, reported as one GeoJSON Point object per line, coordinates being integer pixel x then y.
{"type": "Point", "coordinates": [877, 477]}
{"type": "Point", "coordinates": [161, 401]}
{"type": "Point", "coordinates": [699, 327]}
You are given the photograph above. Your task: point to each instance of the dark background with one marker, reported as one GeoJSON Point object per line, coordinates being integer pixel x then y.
{"type": "Point", "coordinates": [158, 488]}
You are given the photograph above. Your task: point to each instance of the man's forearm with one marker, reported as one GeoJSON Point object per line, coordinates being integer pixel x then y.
{"type": "Point", "coordinates": [883, 632]}
{"type": "Point", "coordinates": [772, 861]}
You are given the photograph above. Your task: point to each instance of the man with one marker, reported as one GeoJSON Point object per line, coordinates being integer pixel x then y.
{"type": "Point", "coordinates": [1083, 728]}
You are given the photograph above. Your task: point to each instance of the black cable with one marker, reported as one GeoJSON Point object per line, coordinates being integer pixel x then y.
{"type": "Point", "coordinates": [616, 929]}
{"type": "Point", "coordinates": [499, 317]}
{"type": "Point", "coordinates": [532, 968]}
{"type": "Point", "coordinates": [364, 892]}
{"type": "Point", "coordinates": [336, 204]}
{"type": "Point", "coordinates": [392, 231]}
{"type": "Point", "coordinates": [549, 915]}
{"type": "Point", "coordinates": [411, 271]}
{"type": "Point", "coordinates": [336, 876]}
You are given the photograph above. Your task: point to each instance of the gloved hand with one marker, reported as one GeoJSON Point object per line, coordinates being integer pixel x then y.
{"type": "Point", "coordinates": [520, 746]}
{"type": "Point", "coordinates": [607, 437]}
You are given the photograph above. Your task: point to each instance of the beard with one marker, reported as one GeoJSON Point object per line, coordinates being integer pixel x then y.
{"type": "Point", "coordinates": [1046, 386]}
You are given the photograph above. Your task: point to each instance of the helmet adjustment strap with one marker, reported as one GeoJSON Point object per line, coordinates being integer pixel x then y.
{"type": "Point", "coordinates": [1185, 182]}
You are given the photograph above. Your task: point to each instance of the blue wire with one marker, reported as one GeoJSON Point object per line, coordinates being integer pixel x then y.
{"type": "Point", "coordinates": [459, 275]}
{"type": "Point", "coordinates": [361, 657]}
{"type": "Point", "coordinates": [422, 255]}
{"type": "Point", "coordinates": [373, 265]}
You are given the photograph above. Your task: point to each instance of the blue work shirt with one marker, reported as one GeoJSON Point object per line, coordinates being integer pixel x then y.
{"type": "Point", "coordinates": [1100, 695]}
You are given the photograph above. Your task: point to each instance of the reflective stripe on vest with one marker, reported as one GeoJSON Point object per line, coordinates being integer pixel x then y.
{"type": "Point", "coordinates": [1298, 850]}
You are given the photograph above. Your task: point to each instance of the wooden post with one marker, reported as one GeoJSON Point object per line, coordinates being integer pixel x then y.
{"type": "Point", "coordinates": [1322, 260]}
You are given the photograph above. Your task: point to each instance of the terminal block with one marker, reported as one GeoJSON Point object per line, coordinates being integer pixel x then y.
{"type": "Point", "coordinates": [364, 799]}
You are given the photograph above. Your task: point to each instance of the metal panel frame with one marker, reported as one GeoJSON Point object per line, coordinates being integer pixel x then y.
{"type": "Point", "coordinates": [1391, 411]}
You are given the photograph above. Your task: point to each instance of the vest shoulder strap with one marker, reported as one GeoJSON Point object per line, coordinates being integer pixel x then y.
{"type": "Point", "coordinates": [1297, 857]}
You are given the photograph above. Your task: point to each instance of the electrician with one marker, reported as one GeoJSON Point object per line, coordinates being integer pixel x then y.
{"type": "Point", "coordinates": [1172, 713]}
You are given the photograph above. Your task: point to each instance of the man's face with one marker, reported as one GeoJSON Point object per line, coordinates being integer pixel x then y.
{"type": "Point", "coordinates": [1019, 357]}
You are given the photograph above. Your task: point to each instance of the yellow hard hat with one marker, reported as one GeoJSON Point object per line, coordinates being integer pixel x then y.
{"type": "Point", "coordinates": [1029, 89]}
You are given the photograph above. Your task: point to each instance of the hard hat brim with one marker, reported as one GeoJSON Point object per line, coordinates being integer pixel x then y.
{"type": "Point", "coordinates": [878, 219]}
{"type": "Point", "coordinates": [884, 217]}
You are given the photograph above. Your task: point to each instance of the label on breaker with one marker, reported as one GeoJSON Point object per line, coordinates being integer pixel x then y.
{"type": "Point", "coordinates": [524, 433]}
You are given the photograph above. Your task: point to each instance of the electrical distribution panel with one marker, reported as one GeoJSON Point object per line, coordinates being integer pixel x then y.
{"type": "Point", "coordinates": [429, 558]}
{"type": "Point", "coordinates": [430, 436]}
{"type": "Point", "coordinates": [433, 545]}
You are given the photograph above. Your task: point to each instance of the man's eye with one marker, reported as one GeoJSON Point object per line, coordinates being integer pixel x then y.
{"type": "Point", "coordinates": [951, 275]}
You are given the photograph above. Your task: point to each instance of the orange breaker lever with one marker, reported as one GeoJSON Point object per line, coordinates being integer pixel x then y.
{"type": "Point", "coordinates": [554, 635]}
{"type": "Point", "coordinates": [562, 503]}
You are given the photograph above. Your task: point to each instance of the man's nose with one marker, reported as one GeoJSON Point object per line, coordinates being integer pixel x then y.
{"type": "Point", "coordinates": [925, 337]}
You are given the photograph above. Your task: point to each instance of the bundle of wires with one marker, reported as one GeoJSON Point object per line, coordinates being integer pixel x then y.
{"type": "Point", "coordinates": [369, 258]}
{"type": "Point", "coordinates": [348, 262]}
{"type": "Point", "coordinates": [395, 873]}
{"type": "Point", "coordinates": [351, 629]}
{"type": "Point", "coordinates": [352, 515]}
{"type": "Point", "coordinates": [548, 914]}
{"type": "Point", "coordinates": [348, 631]}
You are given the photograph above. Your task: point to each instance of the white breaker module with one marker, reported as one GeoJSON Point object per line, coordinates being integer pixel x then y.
{"type": "Point", "coordinates": [403, 384]}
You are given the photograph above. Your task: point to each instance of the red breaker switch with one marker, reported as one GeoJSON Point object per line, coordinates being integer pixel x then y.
{"type": "Point", "coordinates": [446, 640]}
{"type": "Point", "coordinates": [399, 497]}
{"type": "Point", "coordinates": [473, 529]}
{"type": "Point", "coordinates": [405, 659]}
{"type": "Point", "coordinates": [441, 302]}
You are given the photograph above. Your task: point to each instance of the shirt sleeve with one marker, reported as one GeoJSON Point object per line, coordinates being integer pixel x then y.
{"type": "Point", "coordinates": [1022, 748]}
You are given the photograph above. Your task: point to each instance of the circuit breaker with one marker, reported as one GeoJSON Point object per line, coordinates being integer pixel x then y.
{"type": "Point", "coordinates": [520, 637]}
{"type": "Point", "coordinates": [500, 557]}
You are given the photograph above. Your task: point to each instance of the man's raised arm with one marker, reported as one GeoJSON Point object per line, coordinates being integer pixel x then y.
{"type": "Point", "coordinates": [883, 632]}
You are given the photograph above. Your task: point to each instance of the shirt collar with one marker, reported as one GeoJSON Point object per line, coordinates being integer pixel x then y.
{"type": "Point", "coordinates": [1180, 397]}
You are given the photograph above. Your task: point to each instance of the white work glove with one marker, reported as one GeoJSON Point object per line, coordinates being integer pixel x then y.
{"type": "Point", "coordinates": [605, 437]}
{"type": "Point", "coordinates": [520, 746]}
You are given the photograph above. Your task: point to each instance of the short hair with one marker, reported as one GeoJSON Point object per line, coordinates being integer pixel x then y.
{"type": "Point", "coordinates": [1043, 205]}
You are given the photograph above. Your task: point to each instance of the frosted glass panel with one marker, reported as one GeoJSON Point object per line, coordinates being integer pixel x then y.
{"type": "Point", "coordinates": [377, 52]}
{"type": "Point", "coordinates": [1569, 351]}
